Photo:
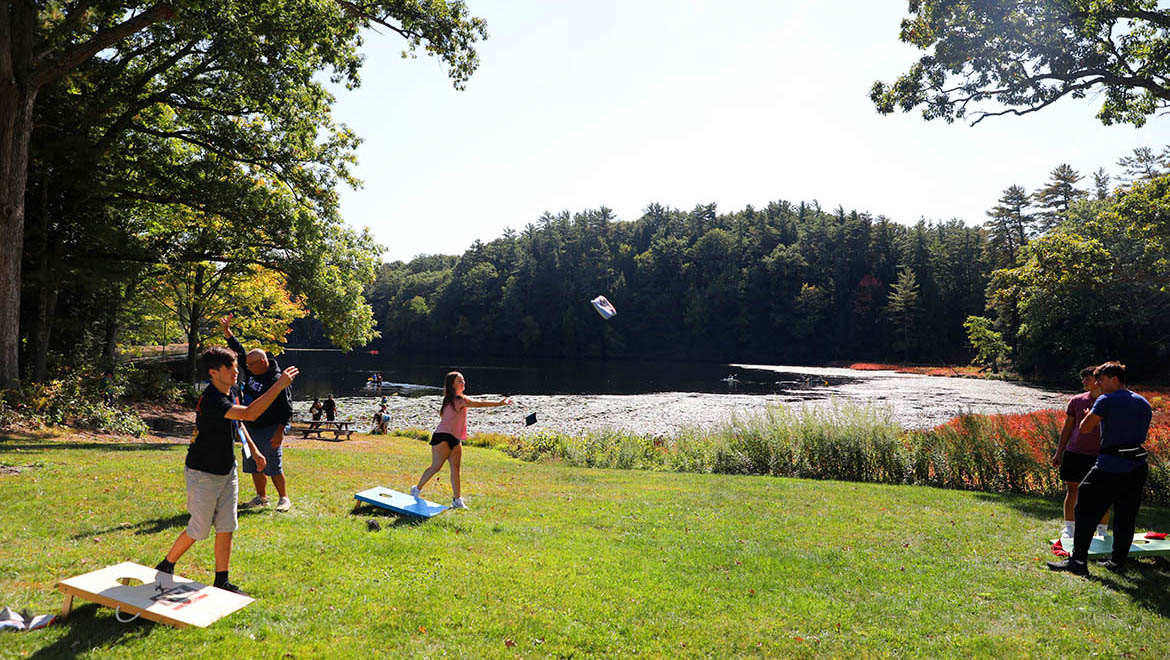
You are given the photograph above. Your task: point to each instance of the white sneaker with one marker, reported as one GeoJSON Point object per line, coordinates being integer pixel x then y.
{"type": "Point", "coordinates": [256, 501]}
{"type": "Point", "coordinates": [458, 503]}
{"type": "Point", "coordinates": [414, 491]}
{"type": "Point", "coordinates": [284, 504]}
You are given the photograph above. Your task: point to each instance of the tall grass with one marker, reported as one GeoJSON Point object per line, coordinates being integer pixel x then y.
{"type": "Point", "coordinates": [843, 441]}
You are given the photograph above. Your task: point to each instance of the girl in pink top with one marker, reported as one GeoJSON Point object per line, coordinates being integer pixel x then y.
{"type": "Point", "coordinates": [447, 440]}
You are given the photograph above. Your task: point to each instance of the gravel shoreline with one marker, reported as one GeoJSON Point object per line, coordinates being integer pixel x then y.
{"type": "Point", "coordinates": [916, 401]}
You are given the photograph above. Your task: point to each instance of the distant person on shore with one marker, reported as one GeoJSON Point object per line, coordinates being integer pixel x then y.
{"type": "Point", "coordinates": [267, 431]}
{"type": "Point", "coordinates": [330, 408]}
{"type": "Point", "coordinates": [449, 436]}
{"type": "Point", "coordinates": [381, 419]}
{"type": "Point", "coordinates": [316, 409]}
{"type": "Point", "coordinates": [212, 485]}
{"type": "Point", "coordinates": [1119, 475]}
{"type": "Point", "coordinates": [1078, 451]}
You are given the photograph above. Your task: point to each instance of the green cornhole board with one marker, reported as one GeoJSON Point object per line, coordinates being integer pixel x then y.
{"type": "Point", "coordinates": [1101, 548]}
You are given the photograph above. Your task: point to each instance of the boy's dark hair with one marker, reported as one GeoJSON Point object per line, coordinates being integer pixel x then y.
{"type": "Point", "coordinates": [218, 357]}
{"type": "Point", "coordinates": [1111, 369]}
{"type": "Point", "coordinates": [1089, 371]}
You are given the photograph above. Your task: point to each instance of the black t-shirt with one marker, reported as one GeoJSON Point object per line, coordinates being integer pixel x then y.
{"type": "Point", "coordinates": [214, 447]}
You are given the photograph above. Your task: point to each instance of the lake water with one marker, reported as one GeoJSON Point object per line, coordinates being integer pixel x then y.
{"type": "Point", "coordinates": [642, 397]}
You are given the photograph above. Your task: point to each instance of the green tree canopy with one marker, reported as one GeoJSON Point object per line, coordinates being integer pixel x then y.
{"type": "Point", "coordinates": [985, 59]}
{"type": "Point", "coordinates": [212, 105]}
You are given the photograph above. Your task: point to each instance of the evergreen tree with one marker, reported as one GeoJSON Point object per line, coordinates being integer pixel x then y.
{"type": "Point", "coordinates": [1144, 164]}
{"type": "Point", "coordinates": [1008, 226]}
{"type": "Point", "coordinates": [1101, 180]}
{"type": "Point", "coordinates": [1057, 196]}
{"type": "Point", "coordinates": [902, 306]}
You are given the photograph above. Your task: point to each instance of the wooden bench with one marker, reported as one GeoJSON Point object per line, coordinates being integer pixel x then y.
{"type": "Point", "coordinates": [318, 428]}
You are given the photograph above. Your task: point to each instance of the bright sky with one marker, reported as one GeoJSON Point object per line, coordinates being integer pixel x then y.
{"type": "Point", "coordinates": [578, 105]}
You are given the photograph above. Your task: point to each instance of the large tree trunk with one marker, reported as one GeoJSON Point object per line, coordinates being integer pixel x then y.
{"type": "Point", "coordinates": [195, 316]}
{"type": "Point", "coordinates": [16, 105]}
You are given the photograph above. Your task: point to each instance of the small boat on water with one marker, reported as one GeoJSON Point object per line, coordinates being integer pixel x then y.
{"type": "Point", "coordinates": [401, 388]}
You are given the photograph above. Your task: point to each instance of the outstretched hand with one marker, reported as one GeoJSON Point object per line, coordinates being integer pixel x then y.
{"type": "Point", "coordinates": [225, 324]}
{"type": "Point", "coordinates": [286, 377]}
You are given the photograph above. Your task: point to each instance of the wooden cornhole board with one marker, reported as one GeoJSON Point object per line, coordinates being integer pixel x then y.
{"type": "Point", "coordinates": [1103, 546]}
{"type": "Point", "coordinates": [399, 502]}
{"type": "Point", "coordinates": [161, 597]}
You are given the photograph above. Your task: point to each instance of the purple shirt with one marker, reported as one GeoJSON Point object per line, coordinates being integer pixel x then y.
{"type": "Point", "coordinates": [1088, 444]}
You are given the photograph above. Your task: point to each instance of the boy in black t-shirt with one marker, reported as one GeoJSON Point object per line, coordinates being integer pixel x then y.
{"type": "Point", "coordinates": [212, 486]}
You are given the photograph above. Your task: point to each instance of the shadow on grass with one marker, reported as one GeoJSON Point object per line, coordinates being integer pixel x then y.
{"type": "Point", "coordinates": [152, 526]}
{"type": "Point", "coordinates": [399, 520]}
{"type": "Point", "coordinates": [1147, 583]}
{"type": "Point", "coordinates": [1042, 508]}
{"type": "Point", "coordinates": [158, 525]}
{"type": "Point", "coordinates": [87, 631]}
{"type": "Point", "coordinates": [1029, 505]}
{"type": "Point", "coordinates": [7, 446]}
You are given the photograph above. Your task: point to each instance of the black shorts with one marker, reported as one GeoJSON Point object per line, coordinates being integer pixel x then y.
{"type": "Point", "coordinates": [451, 440]}
{"type": "Point", "coordinates": [1074, 466]}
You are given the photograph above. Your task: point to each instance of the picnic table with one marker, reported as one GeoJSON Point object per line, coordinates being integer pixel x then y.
{"type": "Point", "coordinates": [319, 427]}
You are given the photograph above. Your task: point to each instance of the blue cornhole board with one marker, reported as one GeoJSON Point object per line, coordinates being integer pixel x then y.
{"type": "Point", "coordinates": [399, 502]}
{"type": "Point", "coordinates": [1102, 547]}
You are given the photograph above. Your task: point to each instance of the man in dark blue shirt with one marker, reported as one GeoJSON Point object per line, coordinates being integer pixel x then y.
{"type": "Point", "coordinates": [1119, 475]}
{"type": "Point", "coordinates": [260, 374]}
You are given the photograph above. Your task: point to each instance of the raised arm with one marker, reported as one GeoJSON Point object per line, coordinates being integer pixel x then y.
{"type": "Point", "coordinates": [472, 403]}
{"type": "Point", "coordinates": [253, 410]}
{"type": "Point", "coordinates": [241, 355]}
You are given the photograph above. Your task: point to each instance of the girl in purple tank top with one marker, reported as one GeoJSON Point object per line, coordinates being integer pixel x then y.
{"type": "Point", "coordinates": [447, 440]}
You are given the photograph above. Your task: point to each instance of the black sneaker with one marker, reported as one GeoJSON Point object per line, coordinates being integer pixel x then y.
{"type": "Point", "coordinates": [1071, 566]}
{"type": "Point", "coordinates": [228, 586]}
{"type": "Point", "coordinates": [1113, 566]}
{"type": "Point", "coordinates": [165, 566]}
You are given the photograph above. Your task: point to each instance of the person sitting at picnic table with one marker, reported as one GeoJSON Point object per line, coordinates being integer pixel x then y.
{"type": "Point", "coordinates": [315, 410]}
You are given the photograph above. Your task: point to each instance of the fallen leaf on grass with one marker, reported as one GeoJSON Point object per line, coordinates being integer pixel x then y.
{"type": "Point", "coordinates": [509, 643]}
{"type": "Point", "coordinates": [422, 629]}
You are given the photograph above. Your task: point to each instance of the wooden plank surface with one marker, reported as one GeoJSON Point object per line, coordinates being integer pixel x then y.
{"type": "Point", "coordinates": [161, 597]}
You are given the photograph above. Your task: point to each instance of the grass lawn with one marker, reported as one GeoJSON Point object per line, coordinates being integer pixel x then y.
{"type": "Point", "coordinates": [553, 561]}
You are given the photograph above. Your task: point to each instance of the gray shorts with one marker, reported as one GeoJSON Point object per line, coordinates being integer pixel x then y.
{"type": "Point", "coordinates": [211, 500]}
{"type": "Point", "coordinates": [262, 436]}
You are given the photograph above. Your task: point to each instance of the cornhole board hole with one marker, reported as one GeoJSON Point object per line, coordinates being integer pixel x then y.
{"type": "Point", "coordinates": [161, 597]}
{"type": "Point", "coordinates": [1101, 548]}
{"type": "Point", "coordinates": [399, 502]}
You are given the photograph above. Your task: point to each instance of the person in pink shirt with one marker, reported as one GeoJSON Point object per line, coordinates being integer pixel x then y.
{"type": "Point", "coordinates": [1078, 451]}
{"type": "Point", "coordinates": [449, 436]}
